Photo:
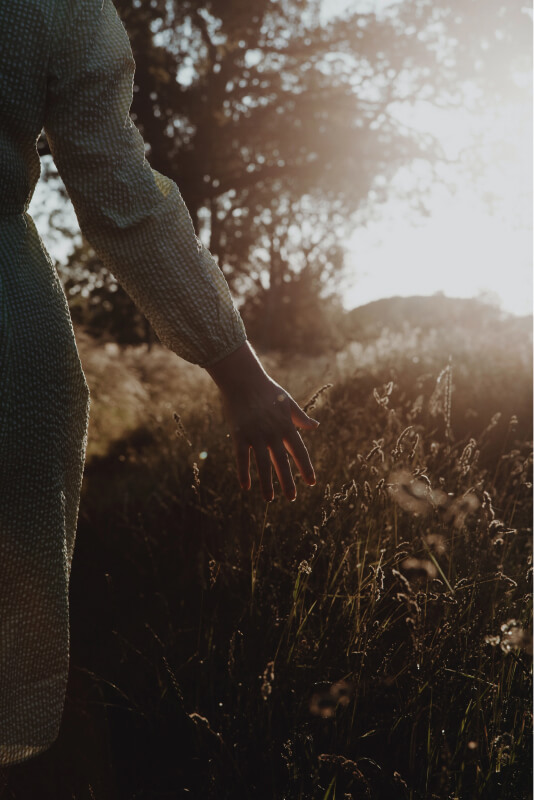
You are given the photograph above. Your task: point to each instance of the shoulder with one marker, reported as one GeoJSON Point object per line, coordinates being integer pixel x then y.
{"type": "Point", "coordinates": [28, 22]}
{"type": "Point", "coordinates": [26, 31]}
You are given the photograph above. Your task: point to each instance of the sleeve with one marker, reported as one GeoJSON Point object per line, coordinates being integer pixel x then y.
{"type": "Point", "coordinates": [134, 217]}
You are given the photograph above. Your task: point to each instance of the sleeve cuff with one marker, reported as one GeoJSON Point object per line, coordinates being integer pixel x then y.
{"type": "Point", "coordinates": [228, 350]}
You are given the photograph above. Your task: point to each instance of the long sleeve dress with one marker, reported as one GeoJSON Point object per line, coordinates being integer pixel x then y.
{"type": "Point", "coordinates": [67, 66]}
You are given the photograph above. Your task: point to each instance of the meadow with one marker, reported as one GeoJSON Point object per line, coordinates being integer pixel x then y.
{"type": "Point", "coordinates": [370, 640]}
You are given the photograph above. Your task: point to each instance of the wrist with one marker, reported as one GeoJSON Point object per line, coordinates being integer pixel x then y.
{"type": "Point", "coordinates": [238, 370]}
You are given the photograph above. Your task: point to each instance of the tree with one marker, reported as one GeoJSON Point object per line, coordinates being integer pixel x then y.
{"type": "Point", "coordinates": [297, 256]}
{"type": "Point", "coordinates": [267, 117]}
{"type": "Point", "coordinates": [99, 304]}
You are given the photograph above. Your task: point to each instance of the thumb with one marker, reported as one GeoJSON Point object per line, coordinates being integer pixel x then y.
{"type": "Point", "coordinates": [301, 419]}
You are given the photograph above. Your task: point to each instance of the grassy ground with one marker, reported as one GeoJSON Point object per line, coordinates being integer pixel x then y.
{"type": "Point", "coordinates": [369, 640]}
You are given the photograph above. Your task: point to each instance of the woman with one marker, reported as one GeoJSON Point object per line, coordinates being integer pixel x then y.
{"type": "Point", "coordinates": [67, 66]}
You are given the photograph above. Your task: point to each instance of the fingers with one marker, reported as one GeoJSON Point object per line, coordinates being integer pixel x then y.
{"type": "Point", "coordinates": [242, 455]}
{"type": "Point", "coordinates": [297, 448]}
{"type": "Point", "coordinates": [283, 471]}
{"type": "Point", "coordinates": [263, 463]}
{"type": "Point", "coordinates": [272, 436]}
{"type": "Point", "coordinates": [300, 418]}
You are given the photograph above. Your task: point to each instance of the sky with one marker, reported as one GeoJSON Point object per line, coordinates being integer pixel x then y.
{"type": "Point", "coordinates": [475, 239]}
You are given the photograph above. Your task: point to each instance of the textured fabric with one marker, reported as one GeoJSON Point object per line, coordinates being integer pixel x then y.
{"type": "Point", "coordinates": [68, 66]}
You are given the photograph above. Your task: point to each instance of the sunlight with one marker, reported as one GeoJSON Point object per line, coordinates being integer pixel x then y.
{"type": "Point", "coordinates": [476, 239]}
{"type": "Point", "coordinates": [469, 236]}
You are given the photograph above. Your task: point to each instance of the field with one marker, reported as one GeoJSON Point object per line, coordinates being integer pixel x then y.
{"type": "Point", "coordinates": [370, 640]}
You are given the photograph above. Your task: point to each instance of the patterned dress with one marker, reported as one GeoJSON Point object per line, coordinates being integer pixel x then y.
{"type": "Point", "coordinates": [67, 66]}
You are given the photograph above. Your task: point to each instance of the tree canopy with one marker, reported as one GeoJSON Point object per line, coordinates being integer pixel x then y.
{"type": "Point", "coordinates": [278, 122]}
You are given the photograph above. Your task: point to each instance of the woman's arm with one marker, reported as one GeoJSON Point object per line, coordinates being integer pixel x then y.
{"type": "Point", "coordinates": [134, 217]}
{"type": "Point", "coordinates": [139, 226]}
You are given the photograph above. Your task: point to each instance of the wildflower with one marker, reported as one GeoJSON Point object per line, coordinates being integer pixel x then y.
{"type": "Point", "coordinates": [325, 702]}
{"type": "Point", "coordinates": [418, 568]}
{"type": "Point", "coordinates": [180, 430]}
{"type": "Point", "coordinates": [267, 680]}
{"type": "Point", "coordinates": [460, 507]}
{"type": "Point", "coordinates": [214, 568]}
{"type": "Point", "coordinates": [383, 400]}
{"type": "Point", "coordinates": [414, 494]}
{"type": "Point", "coordinates": [514, 637]}
{"type": "Point", "coordinates": [196, 478]}
{"type": "Point", "coordinates": [440, 400]}
{"type": "Point", "coordinates": [346, 764]}
{"type": "Point", "coordinates": [468, 457]}
{"type": "Point", "coordinates": [437, 542]}
{"type": "Point", "coordinates": [310, 405]}
{"type": "Point", "coordinates": [398, 449]}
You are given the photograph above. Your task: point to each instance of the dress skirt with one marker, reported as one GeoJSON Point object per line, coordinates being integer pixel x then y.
{"type": "Point", "coordinates": [67, 67]}
{"type": "Point", "coordinates": [43, 422]}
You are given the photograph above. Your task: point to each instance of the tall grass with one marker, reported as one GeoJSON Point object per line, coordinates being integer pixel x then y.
{"type": "Point", "coordinates": [370, 640]}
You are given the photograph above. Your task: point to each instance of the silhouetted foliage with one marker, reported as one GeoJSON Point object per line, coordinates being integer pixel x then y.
{"type": "Point", "coordinates": [272, 120]}
{"type": "Point", "coordinates": [98, 304]}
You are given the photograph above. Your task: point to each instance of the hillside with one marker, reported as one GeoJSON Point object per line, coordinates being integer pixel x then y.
{"type": "Point", "coordinates": [396, 313]}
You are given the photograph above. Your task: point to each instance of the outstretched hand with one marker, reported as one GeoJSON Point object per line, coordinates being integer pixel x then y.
{"type": "Point", "coordinates": [263, 417]}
